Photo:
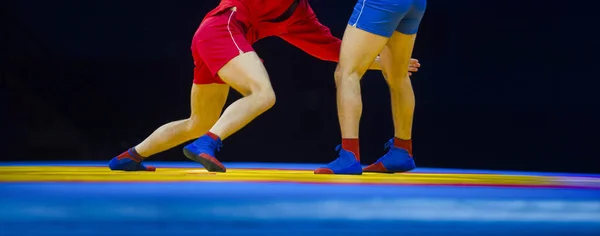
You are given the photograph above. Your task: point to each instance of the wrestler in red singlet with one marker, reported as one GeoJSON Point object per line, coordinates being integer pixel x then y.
{"type": "Point", "coordinates": [230, 30]}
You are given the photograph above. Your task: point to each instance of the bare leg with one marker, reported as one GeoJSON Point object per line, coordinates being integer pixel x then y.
{"type": "Point", "coordinates": [207, 101]}
{"type": "Point", "coordinates": [395, 57]}
{"type": "Point", "coordinates": [246, 74]}
{"type": "Point", "coordinates": [359, 50]}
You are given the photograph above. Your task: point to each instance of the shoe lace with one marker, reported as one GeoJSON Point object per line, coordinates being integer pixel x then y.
{"type": "Point", "coordinates": [216, 146]}
{"type": "Point", "coordinates": [388, 145]}
{"type": "Point", "coordinates": [338, 149]}
{"type": "Point", "coordinates": [213, 145]}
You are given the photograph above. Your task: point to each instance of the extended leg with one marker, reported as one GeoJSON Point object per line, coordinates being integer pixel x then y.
{"type": "Point", "coordinates": [206, 100]}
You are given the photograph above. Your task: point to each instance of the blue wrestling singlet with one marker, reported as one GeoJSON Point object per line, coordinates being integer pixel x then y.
{"type": "Point", "coordinates": [382, 17]}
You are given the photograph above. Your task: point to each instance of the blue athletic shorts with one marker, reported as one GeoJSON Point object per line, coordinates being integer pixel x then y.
{"type": "Point", "coordinates": [382, 17]}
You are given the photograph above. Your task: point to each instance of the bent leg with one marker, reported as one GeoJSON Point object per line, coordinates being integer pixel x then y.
{"type": "Point", "coordinates": [220, 42]}
{"type": "Point", "coordinates": [247, 75]}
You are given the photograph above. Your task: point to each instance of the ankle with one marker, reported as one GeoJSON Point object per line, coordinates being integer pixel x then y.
{"type": "Point", "coordinates": [213, 136]}
{"type": "Point", "coordinates": [405, 144]}
{"type": "Point", "coordinates": [352, 145]}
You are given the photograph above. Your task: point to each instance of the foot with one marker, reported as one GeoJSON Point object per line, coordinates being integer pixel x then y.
{"type": "Point", "coordinates": [203, 151]}
{"type": "Point", "coordinates": [396, 160]}
{"type": "Point", "coordinates": [129, 161]}
{"type": "Point", "coordinates": [345, 164]}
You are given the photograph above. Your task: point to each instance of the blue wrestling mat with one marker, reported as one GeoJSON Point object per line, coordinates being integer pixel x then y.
{"type": "Point", "coordinates": [285, 199]}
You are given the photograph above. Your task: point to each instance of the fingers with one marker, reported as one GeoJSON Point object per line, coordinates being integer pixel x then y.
{"type": "Point", "coordinates": [413, 66]}
{"type": "Point", "coordinates": [414, 63]}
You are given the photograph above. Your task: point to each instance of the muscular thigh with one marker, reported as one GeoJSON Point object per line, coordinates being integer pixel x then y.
{"type": "Point", "coordinates": [372, 23]}
{"type": "Point", "coordinates": [246, 74]}
{"type": "Point", "coordinates": [396, 55]}
{"type": "Point", "coordinates": [359, 49]}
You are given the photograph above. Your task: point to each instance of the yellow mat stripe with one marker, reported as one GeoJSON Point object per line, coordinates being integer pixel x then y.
{"type": "Point", "coordinates": [102, 174]}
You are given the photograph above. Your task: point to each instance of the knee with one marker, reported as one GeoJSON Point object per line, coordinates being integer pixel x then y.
{"type": "Point", "coordinates": [396, 79]}
{"type": "Point", "coordinates": [266, 97]}
{"type": "Point", "coordinates": [263, 95]}
{"type": "Point", "coordinates": [345, 75]}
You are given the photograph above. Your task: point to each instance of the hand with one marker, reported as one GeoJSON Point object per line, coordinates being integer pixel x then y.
{"type": "Point", "coordinates": [413, 66]}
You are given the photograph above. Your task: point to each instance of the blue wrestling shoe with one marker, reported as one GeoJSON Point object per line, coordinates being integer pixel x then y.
{"type": "Point", "coordinates": [396, 160]}
{"type": "Point", "coordinates": [129, 161]}
{"type": "Point", "coordinates": [203, 151]}
{"type": "Point", "coordinates": [345, 164]}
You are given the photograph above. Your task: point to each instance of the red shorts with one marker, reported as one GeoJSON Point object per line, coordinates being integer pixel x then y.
{"type": "Point", "coordinates": [219, 39]}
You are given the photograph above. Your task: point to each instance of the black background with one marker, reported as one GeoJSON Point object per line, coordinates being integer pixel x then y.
{"type": "Point", "coordinates": [504, 85]}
